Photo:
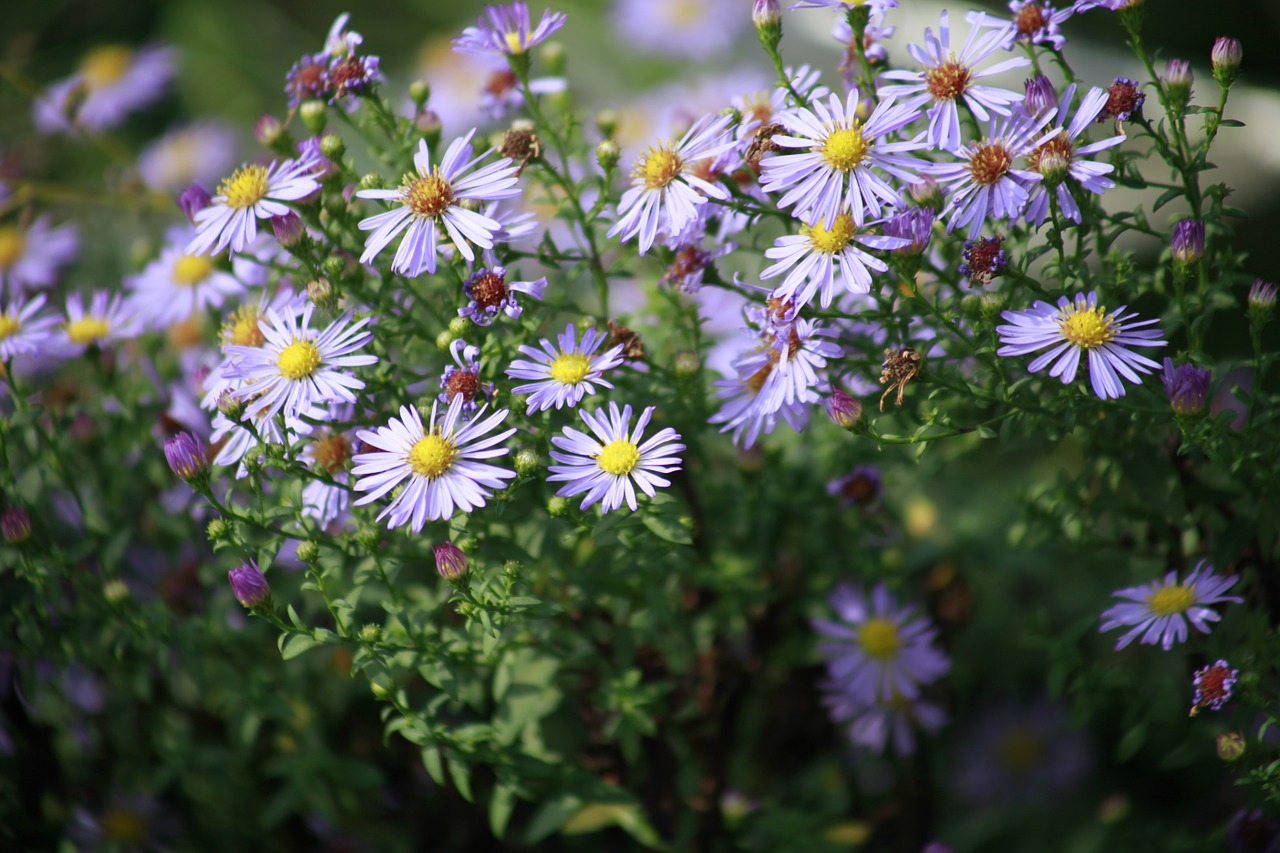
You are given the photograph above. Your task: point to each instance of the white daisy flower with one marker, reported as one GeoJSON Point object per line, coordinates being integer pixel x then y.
{"type": "Point", "coordinates": [433, 197]}
{"type": "Point", "coordinates": [567, 374]}
{"type": "Point", "coordinates": [610, 466]}
{"type": "Point", "coordinates": [254, 192]}
{"type": "Point", "coordinates": [297, 367]}
{"type": "Point", "coordinates": [440, 463]}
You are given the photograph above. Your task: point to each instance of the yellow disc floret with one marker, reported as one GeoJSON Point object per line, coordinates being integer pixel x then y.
{"type": "Point", "coordinates": [246, 187]}
{"type": "Point", "coordinates": [570, 368]}
{"type": "Point", "coordinates": [298, 360]}
{"type": "Point", "coordinates": [103, 66]}
{"type": "Point", "coordinates": [1169, 600]}
{"type": "Point", "coordinates": [846, 148]}
{"type": "Point", "coordinates": [1088, 327]}
{"type": "Point", "coordinates": [513, 42]}
{"type": "Point", "coordinates": [658, 166]}
{"type": "Point", "coordinates": [427, 195]}
{"type": "Point", "coordinates": [11, 245]}
{"type": "Point", "coordinates": [241, 328]}
{"type": "Point", "coordinates": [432, 456]}
{"type": "Point", "coordinates": [879, 639]}
{"type": "Point", "coordinates": [833, 240]}
{"type": "Point", "coordinates": [9, 325]}
{"type": "Point", "coordinates": [190, 270]}
{"type": "Point", "coordinates": [619, 457]}
{"type": "Point", "coordinates": [86, 330]}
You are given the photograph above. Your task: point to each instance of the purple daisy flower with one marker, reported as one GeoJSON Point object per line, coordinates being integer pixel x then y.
{"type": "Point", "coordinates": [880, 652]}
{"type": "Point", "coordinates": [665, 191]}
{"type": "Point", "coordinates": [881, 724]}
{"type": "Point", "coordinates": [1214, 686]}
{"type": "Point", "coordinates": [507, 30]}
{"type": "Point", "coordinates": [488, 292]}
{"type": "Point", "coordinates": [834, 173]}
{"type": "Point", "coordinates": [1037, 23]}
{"type": "Point", "coordinates": [31, 257]}
{"type": "Point", "coordinates": [1081, 325]}
{"type": "Point", "coordinates": [1160, 612]}
{"type": "Point", "coordinates": [105, 319]}
{"type": "Point", "coordinates": [811, 257]}
{"type": "Point", "coordinates": [177, 285]}
{"type": "Point", "coordinates": [254, 192]}
{"type": "Point", "coordinates": [433, 196]}
{"type": "Point", "coordinates": [566, 374]}
{"type": "Point", "coordinates": [947, 78]}
{"type": "Point", "coordinates": [1060, 159]}
{"type": "Point", "coordinates": [985, 182]}
{"type": "Point", "coordinates": [113, 80]}
{"type": "Point", "coordinates": [610, 466]}
{"type": "Point", "coordinates": [462, 378]}
{"type": "Point", "coordinates": [22, 330]}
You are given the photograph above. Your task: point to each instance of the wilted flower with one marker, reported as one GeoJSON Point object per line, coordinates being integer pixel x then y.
{"type": "Point", "coordinates": [1124, 100]}
{"type": "Point", "coordinates": [983, 260]}
{"type": "Point", "coordinates": [248, 584]}
{"type": "Point", "coordinates": [451, 563]}
{"type": "Point", "coordinates": [1186, 386]}
{"type": "Point", "coordinates": [1213, 685]}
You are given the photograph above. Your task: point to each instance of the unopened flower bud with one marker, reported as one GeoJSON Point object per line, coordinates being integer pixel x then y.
{"type": "Point", "coordinates": [332, 147]}
{"type": "Point", "coordinates": [15, 525]}
{"type": "Point", "coordinates": [927, 193]}
{"type": "Point", "coordinates": [993, 303]}
{"type": "Point", "coordinates": [220, 531]}
{"type": "Point", "coordinates": [445, 339]}
{"type": "Point", "coordinates": [372, 181]}
{"type": "Point", "coordinates": [607, 154]}
{"type": "Point", "coordinates": [308, 551]}
{"type": "Point", "coordinates": [1262, 301]}
{"type": "Point", "coordinates": [1039, 96]}
{"type": "Point", "coordinates": [553, 54]}
{"type": "Point", "coordinates": [451, 563]}
{"type": "Point", "coordinates": [1186, 386]}
{"type": "Point", "coordinates": [321, 293]}
{"type": "Point", "coordinates": [430, 126]}
{"type": "Point", "coordinates": [268, 130]}
{"type": "Point", "coordinates": [527, 462]}
{"type": "Point", "coordinates": [186, 456]}
{"type": "Point", "coordinates": [231, 406]}
{"type": "Point", "coordinates": [248, 584]}
{"type": "Point", "coordinates": [313, 115]}
{"type": "Point", "coordinates": [289, 229]}
{"type": "Point", "coordinates": [194, 199]}
{"type": "Point", "coordinates": [687, 364]}
{"type": "Point", "coordinates": [845, 411]}
{"type": "Point", "coordinates": [558, 507]}
{"type": "Point", "coordinates": [419, 92]}
{"type": "Point", "coordinates": [1177, 84]}
{"type": "Point", "coordinates": [1231, 746]}
{"type": "Point", "coordinates": [767, 16]}
{"type": "Point", "coordinates": [370, 633]}
{"type": "Point", "coordinates": [1188, 242]}
{"type": "Point", "coordinates": [971, 305]}
{"type": "Point", "coordinates": [370, 539]}
{"type": "Point", "coordinates": [1226, 56]}
{"type": "Point", "coordinates": [115, 591]}
{"type": "Point", "coordinates": [607, 122]}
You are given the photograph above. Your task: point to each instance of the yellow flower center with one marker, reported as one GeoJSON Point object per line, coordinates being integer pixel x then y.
{"type": "Point", "coordinates": [427, 195]}
{"type": "Point", "coordinates": [299, 360]}
{"type": "Point", "coordinates": [331, 451]}
{"type": "Point", "coordinates": [619, 457]}
{"type": "Point", "coordinates": [846, 148]}
{"type": "Point", "coordinates": [1022, 750]}
{"type": "Point", "coordinates": [86, 330]}
{"type": "Point", "coordinates": [658, 166]}
{"type": "Point", "coordinates": [1172, 599]}
{"type": "Point", "coordinates": [879, 639]}
{"type": "Point", "coordinates": [432, 455]}
{"type": "Point", "coordinates": [190, 270]}
{"type": "Point", "coordinates": [570, 368]}
{"type": "Point", "coordinates": [947, 81]}
{"type": "Point", "coordinates": [9, 325]}
{"type": "Point", "coordinates": [11, 245]}
{"type": "Point", "coordinates": [242, 329]}
{"type": "Point", "coordinates": [513, 42]}
{"type": "Point", "coordinates": [1087, 327]}
{"type": "Point", "coordinates": [103, 66]}
{"type": "Point", "coordinates": [186, 333]}
{"type": "Point", "coordinates": [829, 242]}
{"type": "Point", "coordinates": [990, 163]}
{"type": "Point", "coordinates": [246, 187]}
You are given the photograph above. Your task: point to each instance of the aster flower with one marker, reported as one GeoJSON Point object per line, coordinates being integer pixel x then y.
{"type": "Point", "coordinates": [1124, 100]}
{"type": "Point", "coordinates": [248, 584]}
{"type": "Point", "coordinates": [1037, 22]}
{"type": "Point", "coordinates": [1081, 325]}
{"type": "Point", "coordinates": [1186, 386]}
{"type": "Point", "coordinates": [692, 28]}
{"type": "Point", "coordinates": [691, 262]}
{"type": "Point", "coordinates": [879, 650]}
{"type": "Point", "coordinates": [176, 285]}
{"type": "Point", "coordinates": [236, 441]}
{"type": "Point", "coordinates": [893, 722]}
{"type": "Point", "coordinates": [22, 330]}
{"type": "Point", "coordinates": [440, 462]}
{"type": "Point", "coordinates": [30, 257]}
{"type": "Point", "coordinates": [329, 451]}
{"type": "Point", "coordinates": [610, 466]}
{"type": "Point", "coordinates": [985, 182]}
{"type": "Point", "coordinates": [1059, 160]}
{"type": "Point", "coordinates": [243, 327]}
{"type": "Point", "coordinates": [811, 258]}
{"type": "Point", "coordinates": [507, 30]}
{"type": "Point", "coordinates": [567, 373]}
{"type": "Point", "coordinates": [113, 80]}
{"type": "Point", "coordinates": [297, 367]}
{"type": "Point", "coordinates": [488, 292]}
{"type": "Point", "coordinates": [462, 378]}
{"type": "Point", "coordinates": [914, 225]}
{"type": "Point", "coordinates": [104, 320]}
{"type": "Point", "coordinates": [983, 260]}
{"type": "Point", "coordinates": [834, 172]}
{"type": "Point", "coordinates": [1214, 686]}
{"type": "Point", "coordinates": [1028, 755]}
{"type": "Point", "coordinates": [433, 197]}
{"type": "Point", "coordinates": [253, 192]}
{"type": "Point", "coordinates": [194, 153]}
{"type": "Point", "coordinates": [877, 7]}
{"type": "Point", "coordinates": [861, 487]}
{"type": "Point", "coordinates": [665, 193]}
{"type": "Point", "coordinates": [947, 78]}
{"type": "Point", "coordinates": [1160, 612]}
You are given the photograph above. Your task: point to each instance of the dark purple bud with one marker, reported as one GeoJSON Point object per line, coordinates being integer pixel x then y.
{"type": "Point", "coordinates": [289, 228]}
{"type": "Point", "coordinates": [15, 525]}
{"type": "Point", "coordinates": [1039, 96]}
{"type": "Point", "coordinates": [248, 584]}
{"type": "Point", "coordinates": [186, 456]}
{"type": "Point", "coordinates": [915, 225]}
{"type": "Point", "coordinates": [194, 199]}
{"type": "Point", "coordinates": [844, 411]}
{"type": "Point", "coordinates": [1186, 386]}
{"type": "Point", "coordinates": [451, 563]}
{"type": "Point", "coordinates": [1188, 241]}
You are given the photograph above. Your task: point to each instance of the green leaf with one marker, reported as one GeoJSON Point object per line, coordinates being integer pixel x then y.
{"type": "Point", "coordinates": [1166, 197]}
{"type": "Point", "coordinates": [501, 804]}
{"type": "Point", "coordinates": [434, 763]}
{"type": "Point", "coordinates": [292, 645]}
{"type": "Point", "coordinates": [461, 775]}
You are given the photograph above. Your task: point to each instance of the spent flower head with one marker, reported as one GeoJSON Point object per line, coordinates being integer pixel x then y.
{"type": "Point", "coordinates": [1214, 685]}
